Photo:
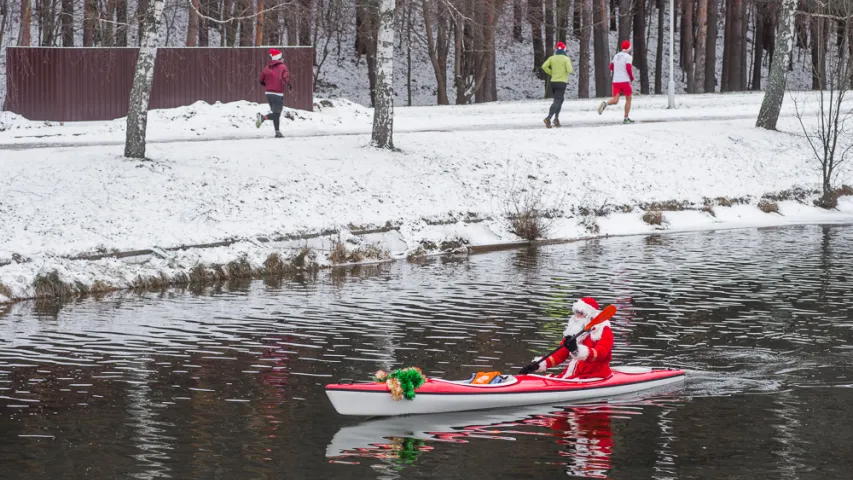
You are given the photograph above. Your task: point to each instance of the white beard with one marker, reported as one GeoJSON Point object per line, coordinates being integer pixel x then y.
{"type": "Point", "coordinates": [575, 325]}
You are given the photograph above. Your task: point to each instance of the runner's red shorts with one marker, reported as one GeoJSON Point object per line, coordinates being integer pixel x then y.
{"type": "Point", "coordinates": [622, 88]}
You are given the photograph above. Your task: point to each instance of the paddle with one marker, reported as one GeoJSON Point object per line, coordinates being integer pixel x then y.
{"type": "Point", "coordinates": [602, 317]}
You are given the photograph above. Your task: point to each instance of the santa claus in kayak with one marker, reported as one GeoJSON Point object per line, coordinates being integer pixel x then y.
{"type": "Point", "coordinates": [589, 354]}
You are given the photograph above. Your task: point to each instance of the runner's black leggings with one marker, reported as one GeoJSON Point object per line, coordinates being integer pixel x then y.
{"type": "Point", "coordinates": [276, 103]}
{"type": "Point", "coordinates": [559, 91]}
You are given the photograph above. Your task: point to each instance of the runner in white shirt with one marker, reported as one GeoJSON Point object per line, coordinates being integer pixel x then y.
{"type": "Point", "coordinates": [623, 75]}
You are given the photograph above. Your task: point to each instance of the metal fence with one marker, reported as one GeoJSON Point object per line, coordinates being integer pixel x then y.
{"type": "Point", "coordinates": [88, 84]}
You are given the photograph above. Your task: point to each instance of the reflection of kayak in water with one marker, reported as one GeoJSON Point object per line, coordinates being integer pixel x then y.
{"type": "Point", "coordinates": [582, 433]}
{"type": "Point", "coordinates": [438, 395]}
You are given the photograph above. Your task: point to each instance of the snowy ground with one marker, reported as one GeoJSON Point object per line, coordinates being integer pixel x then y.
{"type": "Point", "coordinates": [457, 169]}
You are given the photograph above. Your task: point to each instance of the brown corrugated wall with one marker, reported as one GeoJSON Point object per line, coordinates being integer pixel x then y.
{"type": "Point", "coordinates": [88, 84]}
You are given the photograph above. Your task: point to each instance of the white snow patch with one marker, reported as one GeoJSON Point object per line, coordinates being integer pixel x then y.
{"type": "Point", "coordinates": [450, 182]}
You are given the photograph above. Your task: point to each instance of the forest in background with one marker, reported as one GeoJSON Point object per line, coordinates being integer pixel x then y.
{"type": "Point", "coordinates": [462, 42]}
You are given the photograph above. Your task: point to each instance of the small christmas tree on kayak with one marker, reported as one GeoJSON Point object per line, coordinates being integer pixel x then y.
{"type": "Point", "coordinates": [402, 383]}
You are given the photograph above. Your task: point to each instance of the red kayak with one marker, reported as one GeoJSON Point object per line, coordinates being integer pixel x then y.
{"type": "Point", "coordinates": [437, 395]}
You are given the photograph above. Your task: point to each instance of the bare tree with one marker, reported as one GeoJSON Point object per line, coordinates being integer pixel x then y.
{"type": "Point", "coordinates": [659, 56]}
{"type": "Point", "coordinates": [601, 49]}
{"type": "Point", "coordinates": [143, 82]}
{"type": "Point", "coordinates": [549, 27]}
{"type": "Point", "coordinates": [626, 14]}
{"type": "Point", "coordinates": [829, 132]}
{"type": "Point", "coordinates": [121, 23]}
{"type": "Point", "coordinates": [701, 51]}
{"type": "Point", "coordinates": [687, 44]}
{"type": "Point", "coordinates": [24, 36]}
{"type": "Point", "coordinates": [760, 10]}
{"type": "Point", "coordinates": [438, 47]}
{"type": "Point", "coordinates": [775, 94]}
{"type": "Point", "coordinates": [383, 111]}
{"type": "Point", "coordinates": [192, 23]}
{"type": "Point", "coordinates": [517, 19]}
{"type": "Point", "coordinates": [108, 38]}
{"type": "Point", "coordinates": [585, 31]}
{"type": "Point", "coordinates": [534, 15]}
{"type": "Point", "coordinates": [734, 59]}
{"type": "Point", "coordinates": [711, 47]}
{"type": "Point", "coordinates": [562, 20]}
{"type": "Point", "coordinates": [640, 51]}
{"type": "Point", "coordinates": [246, 10]}
{"type": "Point", "coordinates": [819, 36]}
{"type": "Point", "coordinates": [67, 22]}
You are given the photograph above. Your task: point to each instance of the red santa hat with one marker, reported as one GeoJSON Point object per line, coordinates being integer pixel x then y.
{"type": "Point", "coordinates": [561, 46]}
{"type": "Point", "coordinates": [626, 45]}
{"type": "Point", "coordinates": [586, 305]}
{"type": "Point", "coordinates": [275, 54]}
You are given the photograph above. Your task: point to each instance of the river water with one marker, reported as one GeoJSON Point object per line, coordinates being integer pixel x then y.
{"type": "Point", "coordinates": [229, 383]}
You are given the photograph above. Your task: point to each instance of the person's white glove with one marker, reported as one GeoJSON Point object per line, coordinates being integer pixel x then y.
{"type": "Point", "coordinates": [582, 352]}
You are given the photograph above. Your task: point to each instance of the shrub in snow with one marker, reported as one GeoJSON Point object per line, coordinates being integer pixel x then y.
{"type": "Point", "coordinates": [653, 218]}
{"type": "Point", "coordinates": [767, 206]}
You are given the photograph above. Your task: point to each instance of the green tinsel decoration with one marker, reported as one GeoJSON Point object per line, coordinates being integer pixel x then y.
{"type": "Point", "coordinates": [409, 378]}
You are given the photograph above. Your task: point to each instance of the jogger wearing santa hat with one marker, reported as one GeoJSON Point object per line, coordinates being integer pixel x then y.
{"type": "Point", "coordinates": [275, 77]}
{"type": "Point", "coordinates": [558, 67]}
{"type": "Point", "coordinates": [589, 357]}
{"type": "Point", "coordinates": [623, 75]}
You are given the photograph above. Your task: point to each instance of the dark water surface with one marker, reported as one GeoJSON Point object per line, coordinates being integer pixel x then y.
{"type": "Point", "coordinates": [229, 384]}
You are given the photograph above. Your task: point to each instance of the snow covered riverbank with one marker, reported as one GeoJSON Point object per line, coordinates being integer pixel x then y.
{"type": "Point", "coordinates": [254, 204]}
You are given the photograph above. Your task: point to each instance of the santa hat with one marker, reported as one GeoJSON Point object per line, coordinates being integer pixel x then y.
{"type": "Point", "coordinates": [626, 45]}
{"type": "Point", "coordinates": [586, 305]}
{"type": "Point", "coordinates": [561, 46]}
{"type": "Point", "coordinates": [275, 54]}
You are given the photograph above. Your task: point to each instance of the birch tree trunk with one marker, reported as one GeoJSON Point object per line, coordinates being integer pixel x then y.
{"type": "Point", "coordinates": [143, 81]}
{"type": "Point", "coordinates": [775, 93]}
{"type": "Point", "coordinates": [383, 111]}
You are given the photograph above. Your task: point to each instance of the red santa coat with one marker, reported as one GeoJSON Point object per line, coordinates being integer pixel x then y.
{"type": "Point", "coordinates": [595, 351]}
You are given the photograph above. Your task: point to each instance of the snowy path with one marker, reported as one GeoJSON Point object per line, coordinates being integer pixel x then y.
{"type": "Point", "coordinates": [478, 127]}
{"type": "Point", "coordinates": [203, 122]}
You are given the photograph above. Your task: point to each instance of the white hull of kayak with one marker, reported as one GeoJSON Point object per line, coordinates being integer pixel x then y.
{"type": "Point", "coordinates": [363, 403]}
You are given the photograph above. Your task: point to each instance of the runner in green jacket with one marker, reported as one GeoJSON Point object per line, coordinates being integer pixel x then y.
{"type": "Point", "coordinates": [558, 67]}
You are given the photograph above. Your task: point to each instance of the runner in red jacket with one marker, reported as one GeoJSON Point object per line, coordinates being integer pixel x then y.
{"type": "Point", "coordinates": [275, 78]}
{"type": "Point", "coordinates": [590, 356]}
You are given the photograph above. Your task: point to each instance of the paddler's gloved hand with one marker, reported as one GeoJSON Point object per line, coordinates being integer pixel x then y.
{"type": "Point", "coordinates": [531, 368]}
{"type": "Point", "coordinates": [581, 353]}
{"type": "Point", "coordinates": [571, 344]}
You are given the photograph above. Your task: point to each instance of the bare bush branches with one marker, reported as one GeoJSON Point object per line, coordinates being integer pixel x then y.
{"type": "Point", "coordinates": [828, 129]}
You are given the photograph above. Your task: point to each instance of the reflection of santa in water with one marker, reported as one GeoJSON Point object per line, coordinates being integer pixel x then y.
{"type": "Point", "coordinates": [588, 437]}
